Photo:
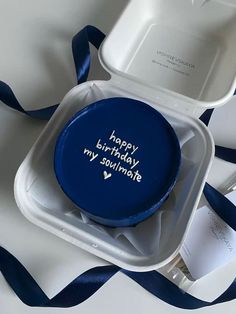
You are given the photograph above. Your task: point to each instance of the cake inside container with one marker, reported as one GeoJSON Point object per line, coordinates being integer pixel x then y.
{"type": "Point", "coordinates": [186, 47]}
{"type": "Point", "coordinates": [150, 244]}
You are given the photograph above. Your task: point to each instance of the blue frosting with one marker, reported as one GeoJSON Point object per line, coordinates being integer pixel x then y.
{"type": "Point", "coordinates": [117, 160]}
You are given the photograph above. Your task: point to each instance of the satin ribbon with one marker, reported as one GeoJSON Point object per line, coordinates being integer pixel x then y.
{"type": "Point", "coordinates": [82, 60]}
{"type": "Point", "coordinates": [85, 285]}
{"type": "Point", "coordinates": [225, 153]}
{"type": "Point", "coordinates": [221, 205]}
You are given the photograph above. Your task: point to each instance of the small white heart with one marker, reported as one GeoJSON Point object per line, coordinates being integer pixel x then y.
{"type": "Point", "coordinates": [106, 175]}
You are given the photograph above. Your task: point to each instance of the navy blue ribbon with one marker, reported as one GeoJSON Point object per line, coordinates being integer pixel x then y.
{"type": "Point", "coordinates": [221, 205]}
{"type": "Point", "coordinates": [85, 285]}
{"type": "Point", "coordinates": [225, 153]}
{"type": "Point", "coordinates": [82, 60]}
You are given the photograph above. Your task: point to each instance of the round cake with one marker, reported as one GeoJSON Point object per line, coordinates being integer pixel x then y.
{"type": "Point", "coordinates": [117, 160]}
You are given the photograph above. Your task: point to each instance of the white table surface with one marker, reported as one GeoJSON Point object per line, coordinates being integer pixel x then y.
{"type": "Point", "coordinates": [36, 60]}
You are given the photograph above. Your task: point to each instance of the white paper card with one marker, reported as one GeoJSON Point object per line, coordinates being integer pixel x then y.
{"type": "Point", "coordinates": [210, 242]}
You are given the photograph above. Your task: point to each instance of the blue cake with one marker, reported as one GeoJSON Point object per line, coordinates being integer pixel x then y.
{"type": "Point", "coordinates": [118, 160]}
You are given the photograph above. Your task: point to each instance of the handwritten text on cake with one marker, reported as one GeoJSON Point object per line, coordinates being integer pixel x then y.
{"type": "Point", "coordinates": [123, 153]}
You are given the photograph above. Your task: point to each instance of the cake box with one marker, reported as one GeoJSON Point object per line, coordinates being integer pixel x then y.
{"type": "Point", "coordinates": [178, 57]}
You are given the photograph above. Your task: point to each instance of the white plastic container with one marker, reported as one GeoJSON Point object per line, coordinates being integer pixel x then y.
{"type": "Point", "coordinates": [177, 57]}
{"type": "Point", "coordinates": [180, 52]}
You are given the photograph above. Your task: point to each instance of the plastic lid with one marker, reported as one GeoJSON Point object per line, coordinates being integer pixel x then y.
{"type": "Point", "coordinates": [178, 52]}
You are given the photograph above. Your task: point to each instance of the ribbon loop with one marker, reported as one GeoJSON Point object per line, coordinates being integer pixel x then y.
{"type": "Point", "coordinates": [85, 285]}
{"type": "Point", "coordinates": [81, 56]}
{"type": "Point", "coordinates": [81, 50]}
{"type": "Point", "coordinates": [224, 153]}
